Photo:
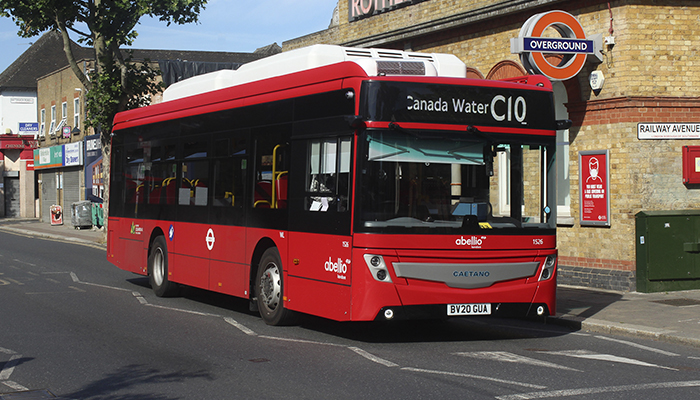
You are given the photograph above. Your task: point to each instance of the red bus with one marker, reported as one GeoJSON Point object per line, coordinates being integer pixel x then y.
{"type": "Point", "coordinates": [351, 184]}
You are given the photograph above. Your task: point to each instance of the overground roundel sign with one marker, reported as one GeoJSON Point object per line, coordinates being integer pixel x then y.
{"type": "Point", "coordinates": [532, 46]}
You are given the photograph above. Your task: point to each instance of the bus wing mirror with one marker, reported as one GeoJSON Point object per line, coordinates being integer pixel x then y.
{"type": "Point", "coordinates": [355, 121]}
{"type": "Point", "coordinates": [563, 124]}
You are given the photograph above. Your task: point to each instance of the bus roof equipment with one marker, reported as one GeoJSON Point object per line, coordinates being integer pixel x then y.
{"type": "Point", "coordinates": [375, 62]}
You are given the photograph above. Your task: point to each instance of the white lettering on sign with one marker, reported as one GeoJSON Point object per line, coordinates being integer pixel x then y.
{"type": "Point", "coordinates": [92, 144]}
{"type": "Point", "coordinates": [502, 108]}
{"type": "Point", "coordinates": [366, 8]}
{"type": "Point", "coordinates": [340, 267]}
{"type": "Point", "coordinates": [474, 242]}
{"type": "Point", "coordinates": [668, 131]}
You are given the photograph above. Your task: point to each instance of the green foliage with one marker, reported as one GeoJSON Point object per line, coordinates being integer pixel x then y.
{"type": "Point", "coordinates": [108, 97]}
{"type": "Point", "coordinates": [117, 83]}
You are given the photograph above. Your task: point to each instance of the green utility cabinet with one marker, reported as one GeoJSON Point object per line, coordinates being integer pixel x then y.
{"type": "Point", "coordinates": [668, 250]}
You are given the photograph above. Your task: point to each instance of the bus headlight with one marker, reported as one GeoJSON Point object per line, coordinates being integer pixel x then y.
{"type": "Point", "coordinates": [377, 267]}
{"type": "Point", "coordinates": [548, 268]}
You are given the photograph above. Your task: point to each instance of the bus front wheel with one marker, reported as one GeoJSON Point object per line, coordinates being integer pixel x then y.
{"type": "Point", "coordinates": [269, 289]}
{"type": "Point", "coordinates": [158, 269]}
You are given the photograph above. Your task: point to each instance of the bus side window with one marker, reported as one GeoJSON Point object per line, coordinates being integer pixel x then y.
{"type": "Point", "coordinates": [328, 177]}
{"type": "Point", "coordinates": [194, 189]}
{"type": "Point", "coordinates": [134, 176]}
{"type": "Point", "coordinates": [271, 169]}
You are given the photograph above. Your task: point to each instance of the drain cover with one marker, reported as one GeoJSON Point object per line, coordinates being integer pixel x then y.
{"type": "Point", "coordinates": [679, 302]}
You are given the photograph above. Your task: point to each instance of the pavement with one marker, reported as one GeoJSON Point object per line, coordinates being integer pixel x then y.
{"type": "Point", "coordinates": [672, 317]}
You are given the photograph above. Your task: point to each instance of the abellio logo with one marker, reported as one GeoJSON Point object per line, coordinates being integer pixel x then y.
{"type": "Point", "coordinates": [339, 267]}
{"type": "Point", "coordinates": [473, 241]}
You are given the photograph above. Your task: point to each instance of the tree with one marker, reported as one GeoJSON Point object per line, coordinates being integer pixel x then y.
{"type": "Point", "coordinates": [117, 83]}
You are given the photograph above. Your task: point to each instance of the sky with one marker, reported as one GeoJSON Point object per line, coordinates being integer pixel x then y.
{"type": "Point", "coordinates": [224, 25]}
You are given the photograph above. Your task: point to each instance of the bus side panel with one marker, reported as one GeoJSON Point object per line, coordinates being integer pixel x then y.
{"type": "Point", "coordinates": [188, 258]}
{"type": "Point", "coordinates": [321, 257]}
{"type": "Point", "coordinates": [320, 272]}
{"type": "Point", "coordinates": [228, 269]}
{"type": "Point", "coordinates": [127, 245]}
{"type": "Point", "coordinates": [322, 299]}
{"type": "Point", "coordinates": [229, 278]}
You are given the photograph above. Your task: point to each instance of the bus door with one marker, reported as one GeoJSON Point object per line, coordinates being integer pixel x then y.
{"type": "Point", "coordinates": [320, 244]}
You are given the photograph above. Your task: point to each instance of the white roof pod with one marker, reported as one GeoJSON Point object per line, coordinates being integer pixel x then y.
{"type": "Point", "coordinates": [374, 61]}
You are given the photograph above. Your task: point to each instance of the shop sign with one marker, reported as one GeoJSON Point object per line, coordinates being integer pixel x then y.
{"type": "Point", "coordinates": [28, 128]}
{"type": "Point", "coordinates": [594, 185]}
{"type": "Point", "coordinates": [366, 8]}
{"type": "Point", "coordinates": [59, 156]}
{"type": "Point", "coordinates": [73, 154]}
{"type": "Point", "coordinates": [668, 131]}
{"type": "Point", "coordinates": [532, 45]}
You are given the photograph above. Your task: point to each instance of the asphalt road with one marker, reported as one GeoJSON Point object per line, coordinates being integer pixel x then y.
{"type": "Point", "coordinates": [74, 324]}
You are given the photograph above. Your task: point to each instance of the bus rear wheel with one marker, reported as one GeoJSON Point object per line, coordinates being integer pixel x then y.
{"type": "Point", "coordinates": [158, 269]}
{"type": "Point", "coordinates": [269, 290]}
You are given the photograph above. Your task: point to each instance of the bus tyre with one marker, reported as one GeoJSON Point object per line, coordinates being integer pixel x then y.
{"type": "Point", "coordinates": [269, 290]}
{"type": "Point", "coordinates": [158, 269]}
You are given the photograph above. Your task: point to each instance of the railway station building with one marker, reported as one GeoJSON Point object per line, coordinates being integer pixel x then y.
{"type": "Point", "coordinates": [633, 99]}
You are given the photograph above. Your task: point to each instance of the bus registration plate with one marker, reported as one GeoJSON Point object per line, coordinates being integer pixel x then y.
{"type": "Point", "coordinates": [469, 309]}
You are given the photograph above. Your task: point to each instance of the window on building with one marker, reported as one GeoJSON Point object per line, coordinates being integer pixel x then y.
{"type": "Point", "coordinates": [76, 112]}
{"type": "Point", "coordinates": [43, 122]}
{"type": "Point", "coordinates": [64, 111]}
{"type": "Point", "coordinates": [53, 120]}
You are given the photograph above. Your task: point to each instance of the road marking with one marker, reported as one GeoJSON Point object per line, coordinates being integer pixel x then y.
{"type": "Point", "coordinates": [240, 326]}
{"type": "Point", "coordinates": [373, 358]}
{"type": "Point", "coordinates": [589, 355]}
{"type": "Point", "coordinates": [605, 389]}
{"type": "Point", "coordinates": [3, 282]}
{"type": "Point", "coordinates": [182, 310]}
{"type": "Point", "coordinates": [9, 367]}
{"type": "Point", "coordinates": [6, 351]}
{"type": "Point", "coordinates": [139, 297]}
{"type": "Point", "coordinates": [503, 356]}
{"type": "Point", "coordinates": [75, 279]}
{"type": "Point", "coordinates": [14, 385]}
{"type": "Point", "coordinates": [640, 346]}
{"type": "Point", "coordinates": [74, 289]}
{"type": "Point", "coordinates": [484, 378]}
{"type": "Point", "coordinates": [300, 341]}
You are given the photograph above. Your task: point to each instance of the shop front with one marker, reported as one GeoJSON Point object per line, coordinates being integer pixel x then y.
{"type": "Point", "coordinates": [60, 179]}
{"type": "Point", "coordinates": [17, 185]}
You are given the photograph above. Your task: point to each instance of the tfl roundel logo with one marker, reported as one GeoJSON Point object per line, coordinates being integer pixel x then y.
{"type": "Point", "coordinates": [533, 43]}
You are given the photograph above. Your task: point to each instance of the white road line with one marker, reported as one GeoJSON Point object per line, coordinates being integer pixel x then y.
{"type": "Point", "coordinates": [503, 356]}
{"type": "Point", "coordinates": [14, 385]}
{"type": "Point", "coordinates": [589, 355]}
{"type": "Point", "coordinates": [484, 378]}
{"type": "Point", "coordinates": [605, 389]}
{"type": "Point", "coordinates": [372, 357]}
{"type": "Point", "coordinates": [9, 367]}
{"type": "Point", "coordinates": [181, 310]}
{"type": "Point", "coordinates": [139, 297]}
{"type": "Point", "coordinates": [304, 341]}
{"type": "Point", "coordinates": [75, 279]}
{"type": "Point", "coordinates": [640, 346]}
{"type": "Point", "coordinates": [6, 351]}
{"type": "Point", "coordinates": [240, 326]}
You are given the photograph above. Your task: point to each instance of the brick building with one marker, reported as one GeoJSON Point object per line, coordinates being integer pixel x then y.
{"type": "Point", "coordinates": [652, 76]}
{"type": "Point", "coordinates": [64, 180]}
